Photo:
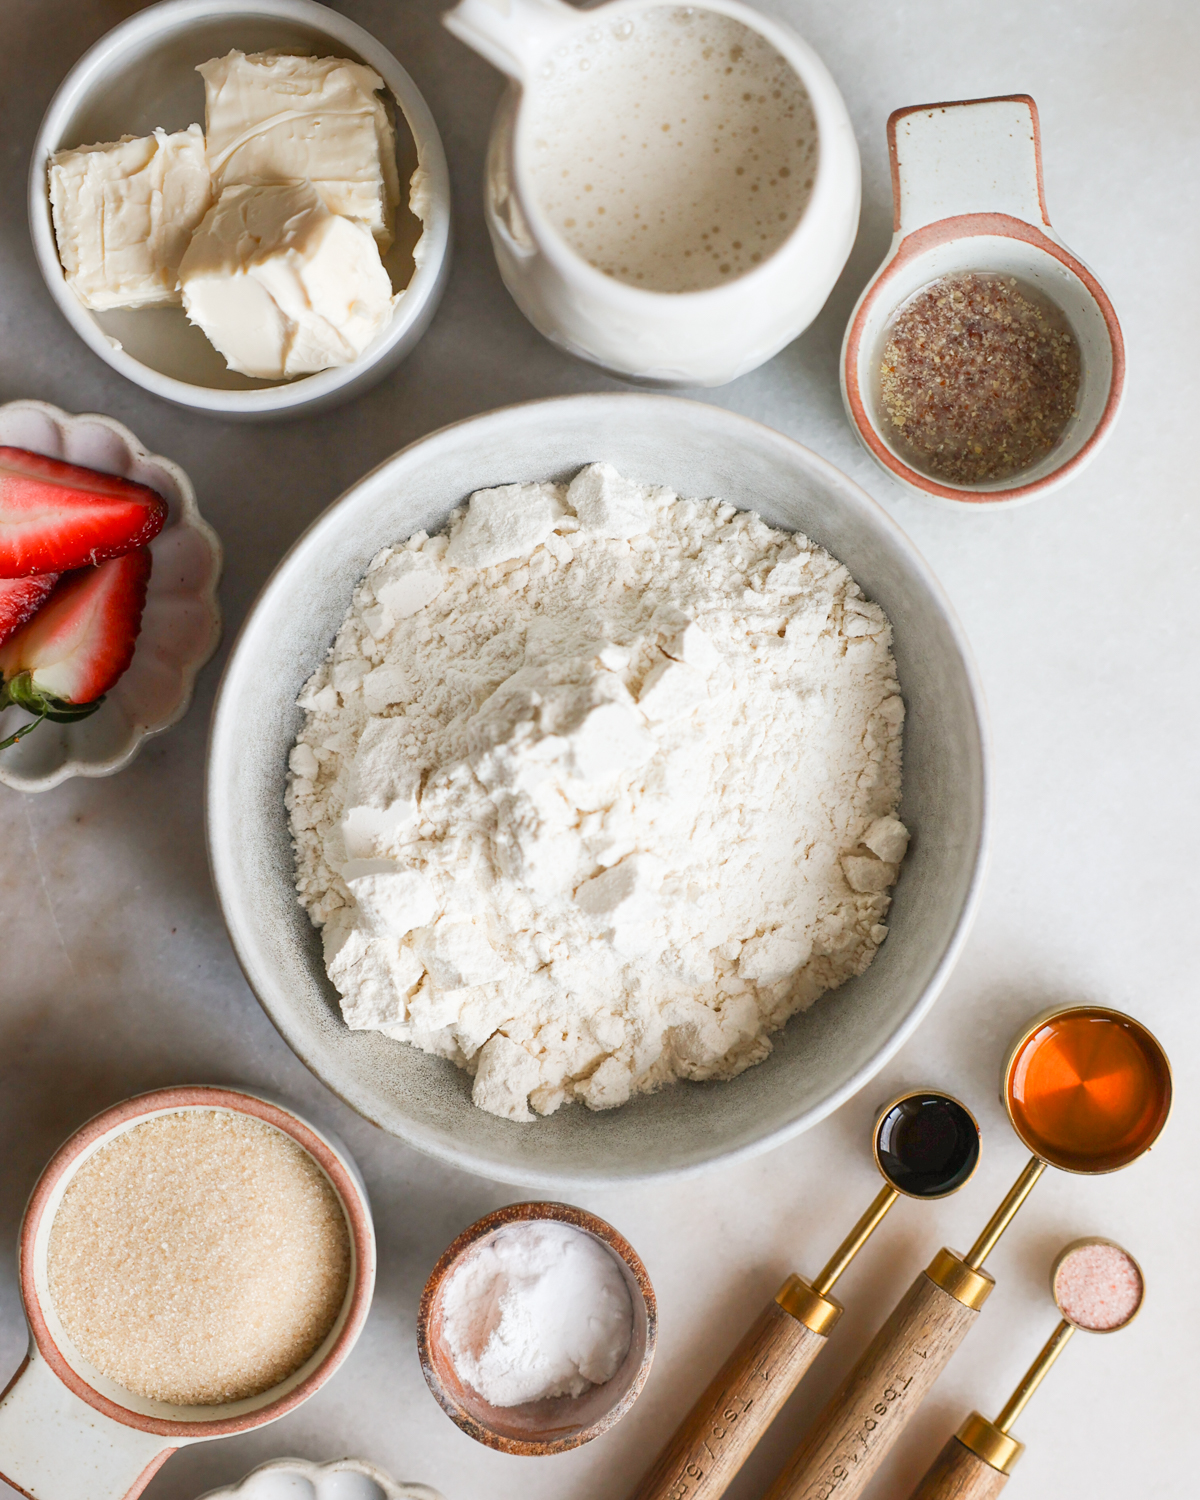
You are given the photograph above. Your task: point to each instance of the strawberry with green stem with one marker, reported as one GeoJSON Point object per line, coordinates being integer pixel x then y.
{"type": "Point", "coordinates": [61, 663]}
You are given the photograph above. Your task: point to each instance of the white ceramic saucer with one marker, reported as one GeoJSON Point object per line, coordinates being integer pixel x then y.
{"type": "Point", "coordinates": [181, 625]}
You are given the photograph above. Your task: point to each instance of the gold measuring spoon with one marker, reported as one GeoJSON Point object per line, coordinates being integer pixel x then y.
{"type": "Point", "coordinates": [1098, 1287]}
{"type": "Point", "coordinates": [926, 1145]}
{"type": "Point", "coordinates": [1087, 1090]}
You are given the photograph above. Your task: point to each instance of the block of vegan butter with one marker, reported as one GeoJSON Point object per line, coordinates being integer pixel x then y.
{"type": "Point", "coordinates": [281, 286]}
{"type": "Point", "coordinates": [124, 213]}
{"type": "Point", "coordinates": [272, 117]}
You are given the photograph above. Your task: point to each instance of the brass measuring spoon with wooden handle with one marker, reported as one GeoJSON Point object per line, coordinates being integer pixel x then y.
{"type": "Point", "coordinates": [926, 1145]}
{"type": "Point", "coordinates": [1087, 1090]}
{"type": "Point", "coordinates": [1098, 1287]}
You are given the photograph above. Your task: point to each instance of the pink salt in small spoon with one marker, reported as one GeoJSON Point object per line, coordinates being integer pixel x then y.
{"type": "Point", "coordinates": [1098, 1287]}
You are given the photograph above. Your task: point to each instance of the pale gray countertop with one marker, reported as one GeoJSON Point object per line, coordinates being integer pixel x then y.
{"type": "Point", "coordinates": [117, 975]}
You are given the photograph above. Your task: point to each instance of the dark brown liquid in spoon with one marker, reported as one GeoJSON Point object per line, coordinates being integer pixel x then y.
{"type": "Point", "coordinates": [927, 1145]}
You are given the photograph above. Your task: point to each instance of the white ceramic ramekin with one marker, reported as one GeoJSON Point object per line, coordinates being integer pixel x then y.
{"type": "Point", "coordinates": [181, 624]}
{"type": "Point", "coordinates": [142, 74]}
{"type": "Point", "coordinates": [65, 1428]}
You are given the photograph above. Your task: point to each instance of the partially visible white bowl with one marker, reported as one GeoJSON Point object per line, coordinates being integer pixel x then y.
{"type": "Point", "coordinates": [142, 74]}
{"type": "Point", "coordinates": [181, 624]}
{"type": "Point", "coordinates": [821, 1057]}
{"type": "Point", "coordinates": [344, 1479]}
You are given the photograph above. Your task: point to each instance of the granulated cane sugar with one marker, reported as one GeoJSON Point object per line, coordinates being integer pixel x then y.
{"type": "Point", "coordinates": [1098, 1287]}
{"type": "Point", "coordinates": [199, 1258]}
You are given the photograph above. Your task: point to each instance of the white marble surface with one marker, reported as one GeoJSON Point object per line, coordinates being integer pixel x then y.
{"type": "Point", "coordinates": [117, 976]}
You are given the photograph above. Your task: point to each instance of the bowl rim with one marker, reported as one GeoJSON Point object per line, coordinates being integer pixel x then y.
{"type": "Point", "coordinates": [414, 305]}
{"type": "Point", "coordinates": [219, 840]}
{"type": "Point", "coordinates": [535, 1212]}
{"type": "Point", "coordinates": [190, 519]}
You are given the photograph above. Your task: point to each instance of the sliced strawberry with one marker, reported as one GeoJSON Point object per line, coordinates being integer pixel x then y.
{"type": "Point", "coordinates": [20, 598]}
{"type": "Point", "coordinates": [60, 665]}
{"type": "Point", "coordinates": [55, 516]}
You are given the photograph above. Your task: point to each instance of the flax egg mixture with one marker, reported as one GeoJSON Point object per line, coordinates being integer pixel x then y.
{"type": "Point", "coordinates": [596, 788]}
{"type": "Point", "coordinates": [673, 150]}
{"type": "Point", "coordinates": [978, 379]}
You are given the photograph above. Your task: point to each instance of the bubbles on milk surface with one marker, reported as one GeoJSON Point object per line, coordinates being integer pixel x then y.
{"type": "Point", "coordinates": [674, 152]}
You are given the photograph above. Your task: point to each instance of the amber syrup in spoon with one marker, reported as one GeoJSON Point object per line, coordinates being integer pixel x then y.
{"type": "Point", "coordinates": [1089, 1090]}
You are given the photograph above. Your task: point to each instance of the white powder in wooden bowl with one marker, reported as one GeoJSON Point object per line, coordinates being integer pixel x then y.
{"type": "Point", "coordinates": [199, 1258]}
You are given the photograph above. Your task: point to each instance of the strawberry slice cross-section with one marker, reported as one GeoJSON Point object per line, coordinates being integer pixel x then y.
{"type": "Point", "coordinates": [60, 665]}
{"type": "Point", "coordinates": [21, 598]}
{"type": "Point", "coordinates": [55, 516]}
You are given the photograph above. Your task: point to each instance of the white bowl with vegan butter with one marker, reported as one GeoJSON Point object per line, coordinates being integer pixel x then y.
{"type": "Point", "coordinates": [141, 81]}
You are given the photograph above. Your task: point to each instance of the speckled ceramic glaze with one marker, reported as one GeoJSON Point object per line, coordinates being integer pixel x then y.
{"type": "Point", "coordinates": [181, 624]}
{"type": "Point", "coordinates": [297, 1479]}
{"type": "Point", "coordinates": [823, 1056]}
{"type": "Point", "coordinates": [536, 1429]}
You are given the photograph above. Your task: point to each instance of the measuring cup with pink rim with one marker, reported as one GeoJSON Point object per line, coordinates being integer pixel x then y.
{"type": "Point", "coordinates": [672, 337]}
{"type": "Point", "coordinates": [67, 1430]}
{"type": "Point", "coordinates": [967, 186]}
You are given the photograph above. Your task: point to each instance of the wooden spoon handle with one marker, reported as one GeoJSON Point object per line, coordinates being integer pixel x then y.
{"type": "Point", "coordinates": [867, 1412]}
{"type": "Point", "coordinates": [718, 1434]}
{"type": "Point", "coordinates": [958, 1474]}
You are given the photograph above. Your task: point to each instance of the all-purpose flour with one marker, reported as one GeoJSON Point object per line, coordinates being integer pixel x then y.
{"type": "Point", "coordinates": [596, 789]}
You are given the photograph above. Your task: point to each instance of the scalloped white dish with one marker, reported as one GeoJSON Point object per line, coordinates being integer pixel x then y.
{"type": "Point", "coordinates": [181, 624]}
{"type": "Point", "coordinates": [344, 1479]}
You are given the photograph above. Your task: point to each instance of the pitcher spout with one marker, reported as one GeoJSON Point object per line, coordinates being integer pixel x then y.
{"type": "Point", "coordinates": [511, 34]}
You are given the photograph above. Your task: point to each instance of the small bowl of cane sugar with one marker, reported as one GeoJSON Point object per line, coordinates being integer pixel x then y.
{"type": "Point", "coordinates": [537, 1328]}
{"type": "Point", "coordinates": [197, 1261]}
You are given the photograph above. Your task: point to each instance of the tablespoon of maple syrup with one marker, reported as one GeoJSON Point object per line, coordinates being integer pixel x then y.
{"type": "Point", "coordinates": [1088, 1089]}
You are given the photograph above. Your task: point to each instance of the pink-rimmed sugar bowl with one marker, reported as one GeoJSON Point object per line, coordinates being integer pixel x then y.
{"type": "Point", "coordinates": [66, 1429]}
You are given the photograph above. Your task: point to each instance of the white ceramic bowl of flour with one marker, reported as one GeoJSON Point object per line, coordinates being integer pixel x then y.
{"type": "Point", "coordinates": [823, 1056]}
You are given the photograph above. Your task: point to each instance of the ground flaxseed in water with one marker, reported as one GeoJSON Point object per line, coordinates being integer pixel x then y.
{"type": "Point", "coordinates": [199, 1258]}
{"type": "Point", "coordinates": [978, 379]}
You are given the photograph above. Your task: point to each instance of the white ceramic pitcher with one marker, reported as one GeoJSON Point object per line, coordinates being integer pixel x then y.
{"type": "Point", "coordinates": [678, 338]}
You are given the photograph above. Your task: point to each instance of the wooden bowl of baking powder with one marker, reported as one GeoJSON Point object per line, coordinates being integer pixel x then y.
{"type": "Point", "coordinates": [554, 1424]}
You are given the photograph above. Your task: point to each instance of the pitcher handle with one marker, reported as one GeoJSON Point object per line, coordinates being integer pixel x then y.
{"type": "Point", "coordinates": [971, 156]}
{"type": "Point", "coordinates": [54, 1446]}
{"type": "Point", "coordinates": [511, 34]}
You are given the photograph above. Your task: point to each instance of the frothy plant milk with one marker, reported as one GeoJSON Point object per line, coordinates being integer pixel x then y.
{"type": "Point", "coordinates": [674, 151]}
